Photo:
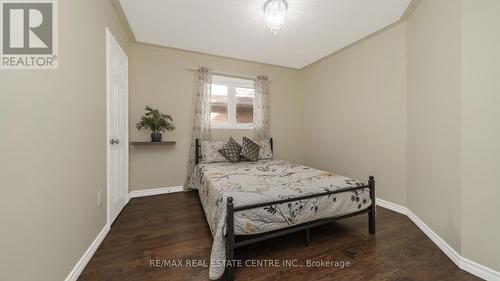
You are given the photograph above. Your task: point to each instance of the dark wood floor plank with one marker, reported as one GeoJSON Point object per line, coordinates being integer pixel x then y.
{"type": "Point", "coordinates": [173, 226]}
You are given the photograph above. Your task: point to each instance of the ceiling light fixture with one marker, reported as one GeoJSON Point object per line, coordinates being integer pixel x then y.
{"type": "Point", "coordinates": [275, 12]}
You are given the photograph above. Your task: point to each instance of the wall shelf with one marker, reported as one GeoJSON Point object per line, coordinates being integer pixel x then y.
{"type": "Point", "coordinates": [152, 143]}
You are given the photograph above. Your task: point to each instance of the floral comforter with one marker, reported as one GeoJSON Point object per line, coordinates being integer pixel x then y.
{"type": "Point", "coordinates": [269, 180]}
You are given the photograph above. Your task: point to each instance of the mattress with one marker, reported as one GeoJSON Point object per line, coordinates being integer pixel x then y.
{"type": "Point", "coordinates": [266, 181]}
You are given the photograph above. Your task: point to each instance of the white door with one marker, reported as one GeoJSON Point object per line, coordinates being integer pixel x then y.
{"type": "Point", "coordinates": [117, 108]}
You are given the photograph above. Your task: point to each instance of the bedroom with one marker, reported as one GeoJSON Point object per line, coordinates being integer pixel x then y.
{"type": "Point", "coordinates": [405, 91]}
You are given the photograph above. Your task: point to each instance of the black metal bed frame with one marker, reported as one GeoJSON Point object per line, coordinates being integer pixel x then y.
{"type": "Point", "coordinates": [232, 244]}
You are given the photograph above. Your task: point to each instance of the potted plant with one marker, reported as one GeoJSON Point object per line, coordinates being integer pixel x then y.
{"type": "Point", "coordinates": [155, 121]}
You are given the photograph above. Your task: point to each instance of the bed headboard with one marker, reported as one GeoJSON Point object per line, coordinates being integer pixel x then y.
{"type": "Point", "coordinates": [197, 148]}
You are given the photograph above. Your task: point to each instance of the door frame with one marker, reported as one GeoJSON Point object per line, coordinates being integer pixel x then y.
{"type": "Point", "coordinates": [111, 40]}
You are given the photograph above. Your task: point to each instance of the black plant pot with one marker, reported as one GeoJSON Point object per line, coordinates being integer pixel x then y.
{"type": "Point", "coordinates": [156, 137]}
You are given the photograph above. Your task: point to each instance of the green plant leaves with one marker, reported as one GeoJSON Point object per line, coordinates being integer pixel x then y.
{"type": "Point", "coordinates": [155, 121]}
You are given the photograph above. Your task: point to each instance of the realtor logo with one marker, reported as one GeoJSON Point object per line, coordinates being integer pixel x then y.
{"type": "Point", "coordinates": [29, 35]}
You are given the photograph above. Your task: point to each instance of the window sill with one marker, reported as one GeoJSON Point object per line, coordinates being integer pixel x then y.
{"type": "Point", "coordinates": [232, 127]}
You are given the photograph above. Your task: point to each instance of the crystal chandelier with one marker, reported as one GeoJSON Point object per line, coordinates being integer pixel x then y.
{"type": "Point", "coordinates": [275, 12]}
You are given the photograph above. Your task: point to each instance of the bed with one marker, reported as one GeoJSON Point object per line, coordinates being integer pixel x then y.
{"type": "Point", "coordinates": [248, 202]}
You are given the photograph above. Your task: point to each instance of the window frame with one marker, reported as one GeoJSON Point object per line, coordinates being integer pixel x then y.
{"type": "Point", "coordinates": [232, 83]}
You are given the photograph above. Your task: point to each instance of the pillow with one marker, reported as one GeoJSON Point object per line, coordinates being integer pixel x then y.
{"type": "Point", "coordinates": [250, 149]}
{"type": "Point", "coordinates": [265, 151]}
{"type": "Point", "coordinates": [231, 150]}
{"type": "Point", "coordinates": [210, 151]}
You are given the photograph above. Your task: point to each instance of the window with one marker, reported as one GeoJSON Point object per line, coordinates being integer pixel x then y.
{"type": "Point", "coordinates": [231, 103]}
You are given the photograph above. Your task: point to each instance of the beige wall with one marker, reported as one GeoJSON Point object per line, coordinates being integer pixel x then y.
{"type": "Point", "coordinates": [430, 88]}
{"type": "Point", "coordinates": [434, 117]}
{"type": "Point", "coordinates": [355, 112]}
{"type": "Point", "coordinates": [160, 78]}
{"type": "Point", "coordinates": [53, 149]}
{"type": "Point", "coordinates": [481, 131]}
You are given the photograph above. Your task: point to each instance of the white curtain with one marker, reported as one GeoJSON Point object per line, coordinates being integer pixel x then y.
{"type": "Point", "coordinates": [202, 126]}
{"type": "Point", "coordinates": [261, 109]}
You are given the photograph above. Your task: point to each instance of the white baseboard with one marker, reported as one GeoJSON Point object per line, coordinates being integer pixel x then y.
{"type": "Point", "coordinates": [479, 270]}
{"type": "Point", "coordinates": [391, 206]}
{"type": "Point", "coordinates": [80, 265]}
{"type": "Point", "coordinates": [155, 191]}
{"type": "Point", "coordinates": [462, 262]}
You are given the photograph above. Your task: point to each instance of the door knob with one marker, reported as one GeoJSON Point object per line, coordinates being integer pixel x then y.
{"type": "Point", "coordinates": [114, 141]}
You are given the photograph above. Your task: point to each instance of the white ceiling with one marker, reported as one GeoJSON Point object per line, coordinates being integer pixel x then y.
{"type": "Point", "coordinates": [236, 28]}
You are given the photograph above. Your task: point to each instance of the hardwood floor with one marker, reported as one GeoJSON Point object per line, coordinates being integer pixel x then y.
{"type": "Point", "coordinates": [173, 226]}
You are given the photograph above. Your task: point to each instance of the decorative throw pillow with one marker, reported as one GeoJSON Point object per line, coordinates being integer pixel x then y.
{"type": "Point", "coordinates": [231, 150]}
{"type": "Point", "coordinates": [210, 151]}
{"type": "Point", "coordinates": [250, 149]}
{"type": "Point", "coordinates": [265, 151]}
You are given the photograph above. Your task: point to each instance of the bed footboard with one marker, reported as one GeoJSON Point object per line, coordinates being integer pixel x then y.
{"type": "Point", "coordinates": [231, 243]}
{"type": "Point", "coordinates": [371, 213]}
